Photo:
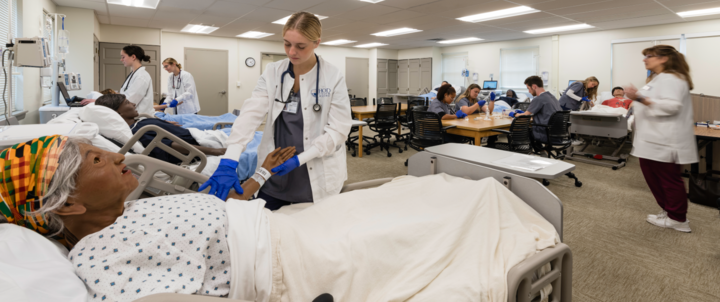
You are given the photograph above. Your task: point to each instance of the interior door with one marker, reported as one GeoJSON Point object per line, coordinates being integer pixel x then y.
{"type": "Point", "coordinates": [382, 78]}
{"type": "Point", "coordinates": [96, 64]}
{"type": "Point", "coordinates": [392, 76]}
{"type": "Point", "coordinates": [113, 73]}
{"type": "Point", "coordinates": [209, 68]}
{"type": "Point", "coordinates": [426, 73]}
{"type": "Point", "coordinates": [414, 78]}
{"type": "Point", "coordinates": [403, 83]}
{"type": "Point", "coordinates": [357, 72]}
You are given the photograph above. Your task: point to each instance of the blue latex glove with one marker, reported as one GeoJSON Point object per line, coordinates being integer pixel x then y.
{"type": "Point", "coordinates": [460, 114]}
{"type": "Point", "coordinates": [585, 99]}
{"type": "Point", "coordinates": [287, 166]}
{"type": "Point", "coordinates": [492, 96]}
{"type": "Point", "coordinates": [517, 111]}
{"type": "Point", "coordinates": [482, 103]}
{"type": "Point", "coordinates": [173, 104]}
{"type": "Point", "coordinates": [224, 179]}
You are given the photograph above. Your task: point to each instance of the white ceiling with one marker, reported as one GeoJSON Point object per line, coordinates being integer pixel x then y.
{"type": "Point", "coordinates": [356, 20]}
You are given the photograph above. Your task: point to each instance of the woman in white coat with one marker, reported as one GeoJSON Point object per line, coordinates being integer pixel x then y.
{"type": "Point", "coordinates": [137, 87]}
{"type": "Point", "coordinates": [664, 136]}
{"type": "Point", "coordinates": [306, 102]}
{"type": "Point", "coordinates": [182, 91]}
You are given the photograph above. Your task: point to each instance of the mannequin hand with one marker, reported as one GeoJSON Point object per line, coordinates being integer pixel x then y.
{"type": "Point", "coordinates": [460, 114]}
{"type": "Point", "coordinates": [492, 96]}
{"type": "Point", "coordinates": [287, 166]}
{"type": "Point", "coordinates": [224, 179]}
{"type": "Point", "coordinates": [585, 99]}
{"type": "Point", "coordinates": [173, 104]}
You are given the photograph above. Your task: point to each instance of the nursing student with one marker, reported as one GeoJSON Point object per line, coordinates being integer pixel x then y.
{"type": "Point", "coordinates": [306, 103]}
{"type": "Point", "coordinates": [137, 87]}
{"type": "Point", "coordinates": [542, 107]}
{"type": "Point", "coordinates": [579, 92]}
{"type": "Point", "coordinates": [182, 91]}
{"type": "Point", "coordinates": [664, 137]}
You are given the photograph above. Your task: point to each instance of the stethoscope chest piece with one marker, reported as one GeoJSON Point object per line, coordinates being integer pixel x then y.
{"type": "Point", "coordinates": [316, 107]}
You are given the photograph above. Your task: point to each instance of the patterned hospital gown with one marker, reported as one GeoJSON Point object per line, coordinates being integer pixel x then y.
{"type": "Point", "coordinates": [171, 244]}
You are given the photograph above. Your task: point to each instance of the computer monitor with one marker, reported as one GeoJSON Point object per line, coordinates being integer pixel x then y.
{"type": "Point", "coordinates": [489, 85]}
{"type": "Point", "coordinates": [571, 82]}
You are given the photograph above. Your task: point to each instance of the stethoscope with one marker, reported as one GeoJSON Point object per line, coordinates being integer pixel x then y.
{"type": "Point", "coordinates": [179, 82]}
{"type": "Point", "coordinates": [289, 70]}
{"type": "Point", "coordinates": [128, 79]}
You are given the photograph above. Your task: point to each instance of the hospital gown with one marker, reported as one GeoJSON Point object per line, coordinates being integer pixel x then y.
{"type": "Point", "coordinates": [174, 244]}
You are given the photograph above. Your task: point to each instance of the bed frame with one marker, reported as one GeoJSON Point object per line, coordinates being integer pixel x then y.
{"type": "Point", "coordinates": [599, 127]}
{"type": "Point", "coordinates": [217, 126]}
{"type": "Point", "coordinates": [522, 283]}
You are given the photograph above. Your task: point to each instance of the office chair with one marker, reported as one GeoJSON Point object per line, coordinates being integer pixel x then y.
{"type": "Point", "coordinates": [519, 139]}
{"type": "Point", "coordinates": [385, 124]}
{"type": "Point", "coordinates": [521, 105]}
{"type": "Point", "coordinates": [351, 142]}
{"type": "Point", "coordinates": [418, 98]}
{"type": "Point", "coordinates": [427, 131]}
{"type": "Point", "coordinates": [382, 101]}
{"type": "Point", "coordinates": [406, 120]}
{"type": "Point", "coordinates": [358, 101]}
{"type": "Point", "coordinates": [557, 132]}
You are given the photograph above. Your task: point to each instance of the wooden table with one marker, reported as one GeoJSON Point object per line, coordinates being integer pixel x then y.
{"type": "Point", "coordinates": [705, 139]}
{"type": "Point", "coordinates": [363, 112]}
{"type": "Point", "coordinates": [477, 129]}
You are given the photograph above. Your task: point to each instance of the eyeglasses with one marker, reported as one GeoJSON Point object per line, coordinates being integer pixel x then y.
{"type": "Point", "coordinates": [650, 56]}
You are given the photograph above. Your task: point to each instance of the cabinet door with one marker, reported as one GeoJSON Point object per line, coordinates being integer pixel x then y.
{"type": "Point", "coordinates": [382, 78]}
{"type": "Point", "coordinates": [392, 76]}
{"type": "Point", "coordinates": [426, 74]}
{"type": "Point", "coordinates": [403, 79]}
{"type": "Point", "coordinates": [414, 77]}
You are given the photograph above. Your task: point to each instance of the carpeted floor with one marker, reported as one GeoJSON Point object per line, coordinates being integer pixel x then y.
{"type": "Point", "coordinates": [617, 255]}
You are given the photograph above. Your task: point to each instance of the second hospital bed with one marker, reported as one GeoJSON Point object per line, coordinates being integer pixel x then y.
{"type": "Point", "coordinates": [597, 127]}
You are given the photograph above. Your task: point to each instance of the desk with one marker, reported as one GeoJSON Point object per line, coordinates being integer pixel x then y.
{"type": "Point", "coordinates": [477, 129]}
{"type": "Point", "coordinates": [363, 112]}
{"type": "Point", "coordinates": [401, 97]}
{"type": "Point", "coordinates": [487, 156]}
{"type": "Point", "coordinates": [705, 138]}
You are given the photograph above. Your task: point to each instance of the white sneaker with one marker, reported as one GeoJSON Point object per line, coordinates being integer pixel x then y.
{"type": "Point", "coordinates": [578, 142]}
{"type": "Point", "coordinates": [662, 214]}
{"type": "Point", "coordinates": [667, 222]}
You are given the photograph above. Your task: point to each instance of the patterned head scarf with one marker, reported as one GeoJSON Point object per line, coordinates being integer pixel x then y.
{"type": "Point", "coordinates": [26, 170]}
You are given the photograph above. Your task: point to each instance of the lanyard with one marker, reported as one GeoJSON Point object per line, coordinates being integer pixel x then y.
{"type": "Point", "coordinates": [289, 70]}
{"type": "Point", "coordinates": [179, 81]}
{"type": "Point", "coordinates": [128, 79]}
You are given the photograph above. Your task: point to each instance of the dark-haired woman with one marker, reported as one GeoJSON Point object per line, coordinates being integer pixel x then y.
{"type": "Point", "coordinates": [138, 85]}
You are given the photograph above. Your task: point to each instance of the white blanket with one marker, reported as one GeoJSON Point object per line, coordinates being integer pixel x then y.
{"type": "Point", "coordinates": [433, 238]}
{"type": "Point", "coordinates": [608, 109]}
{"type": "Point", "coordinates": [209, 138]}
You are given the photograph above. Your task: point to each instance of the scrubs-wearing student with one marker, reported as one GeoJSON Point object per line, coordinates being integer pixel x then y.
{"type": "Point", "coordinates": [542, 107]}
{"type": "Point", "coordinates": [443, 108]}
{"type": "Point", "coordinates": [619, 99]}
{"type": "Point", "coordinates": [578, 92]}
{"type": "Point", "coordinates": [469, 102]}
{"type": "Point", "coordinates": [664, 137]}
{"type": "Point", "coordinates": [182, 91]}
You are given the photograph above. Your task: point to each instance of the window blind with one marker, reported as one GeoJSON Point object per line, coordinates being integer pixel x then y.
{"type": "Point", "coordinates": [516, 65]}
{"type": "Point", "coordinates": [452, 66]}
{"type": "Point", "coordinates": [4, 29]}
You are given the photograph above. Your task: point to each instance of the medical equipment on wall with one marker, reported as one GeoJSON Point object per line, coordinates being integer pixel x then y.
{"type": "Point", "coordinates": [71, 80]}
{"type": "Point", "coordinates": [63, 41]}
{"type": "Point", "coordinates": [546, 78]}
{"type": "Point", "coordinates": [31, 52]}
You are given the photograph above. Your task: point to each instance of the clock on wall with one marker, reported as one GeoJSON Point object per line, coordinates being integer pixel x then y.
{"type": "Point", "coordinates": [250, 62]}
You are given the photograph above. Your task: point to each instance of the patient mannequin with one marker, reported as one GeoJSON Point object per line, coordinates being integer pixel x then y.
{"type": "Point", "coordinates": [127, 111]}
{"type": "Point", "coordinates": [619, 99]}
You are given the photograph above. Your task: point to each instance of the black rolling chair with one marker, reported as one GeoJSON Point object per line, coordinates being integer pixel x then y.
{"type": "Point", "coordinates": [358, 101]}
{"type": "Point", "coordinates": [351, 142]}
{"type": "Point", "coordinates": [406, 120]}
{"type": "Point", "coordinates": [557, 132]}
{"type": "Point", "coordinates": [418, 98]}
{"type": "Point", "coordinates": [381, 101]}
{"type": "Point", "coordinates": [428, 130]}
{"type": "Point", "coordinates": [519, 139]}
{"type": "Point", "coordinates": [385, 124]}
{"type": "Point", "coordinates": [522, 106]}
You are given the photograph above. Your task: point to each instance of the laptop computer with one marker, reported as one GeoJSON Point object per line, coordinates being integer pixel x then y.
{"type": "Point", "coordinates": [71, 101]}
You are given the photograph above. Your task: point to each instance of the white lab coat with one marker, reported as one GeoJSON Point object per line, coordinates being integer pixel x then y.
{"type": "Point", "coordinates": [185, 91]}
{"type": "Point", "coordinates": [139, 91]}
{"type": "Point", "coordinates": [325, 131]}
{"type": "Point", "coordinates": [664, 130]}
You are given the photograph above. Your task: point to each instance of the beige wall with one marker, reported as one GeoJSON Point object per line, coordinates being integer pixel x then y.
{"type": "Point", "coordinates": [31, 20]}
{"type": "Point", "coordinates": [96, 27]}
{"type": "Point", "coordinates": [130, 35]}
{"type": "Point", "coordinates": [79, 60]}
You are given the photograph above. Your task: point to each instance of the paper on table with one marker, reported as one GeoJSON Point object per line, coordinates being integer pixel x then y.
{"type": "Point", "coordinates": [524, 162]}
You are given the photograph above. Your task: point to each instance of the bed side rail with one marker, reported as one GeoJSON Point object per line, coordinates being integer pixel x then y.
{"type": "Point", "coordinates": [221, 125]}
{"type": "Point", "coordinates": [157, 143]}
{"type": "Point", "coordinates": [145, 168]}
{"type": "Point", "coordinates": [560, 276]}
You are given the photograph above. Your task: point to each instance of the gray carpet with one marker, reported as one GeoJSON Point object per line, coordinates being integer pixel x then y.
{"type": "Point", "coordinates": [617, 255]}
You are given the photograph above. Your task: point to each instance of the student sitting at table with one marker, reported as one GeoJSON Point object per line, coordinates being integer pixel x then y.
{"type": "Point", "coordinates": [469, 102]}
{"type": "Point", "coordinates": [441, 106]}
{"type": "Point", "coordinates": [542, 107]}
{"type": "Point", "coordinates": [619, 99]}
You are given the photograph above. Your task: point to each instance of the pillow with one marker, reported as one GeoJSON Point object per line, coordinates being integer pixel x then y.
{"type": "Point", "coordinates": [37, 268]}
{"type": "Point", "coordinates": [71, 116]}
{"type": "Point", "coordinates": [93, 95]}
{"type": "Point", "coordinates": [111, 124]}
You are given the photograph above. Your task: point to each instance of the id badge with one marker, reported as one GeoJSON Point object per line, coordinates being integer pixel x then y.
{"type": "Point", "coordinates": [291, 107]}
{"type": "Point", "coordinates": [647, 88]}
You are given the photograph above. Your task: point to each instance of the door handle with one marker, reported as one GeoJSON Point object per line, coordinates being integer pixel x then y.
{"type": "Point", "coordinates": [223, 92]}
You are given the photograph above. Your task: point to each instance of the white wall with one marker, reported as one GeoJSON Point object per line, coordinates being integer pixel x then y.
{"type": "Point", "coordinates": [80, 58]}
{"type": "Point", "coordinates": [32, 14]}
{"type": "Point", "coordinates": [96, 28]}
{"type": "Point", "coordinates": [130, 35]}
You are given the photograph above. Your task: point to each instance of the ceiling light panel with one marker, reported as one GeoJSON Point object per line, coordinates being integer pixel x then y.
{"type": "Point", "coordinates": [463, 40]}
{"type": "Point", "coordinates": [700, 12]}
{"type": "Point", "coordinates": [558, 29]}
{"type": "Point", "coordinates": [499, 14]}
{"type": "Point", "coordinates": [284, 20]}
{"type": "Point", "coordinates": [254, 35]}
{"type": "Point", "coordinates": [338, 42]}
{"type": "Point", "coordinates": [370, 45]}
{"type": "Point", "coordinates": [136, 3]}
{"type": "Point", "coordinates": [199, 29]}
{"type": "Point", "coordinates": [372, 1]}
{"type": "Point", "coordinates": [397, 32]}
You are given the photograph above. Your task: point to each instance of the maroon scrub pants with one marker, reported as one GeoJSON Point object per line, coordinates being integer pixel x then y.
{"type": "Point", "coordinates": [665, 182]}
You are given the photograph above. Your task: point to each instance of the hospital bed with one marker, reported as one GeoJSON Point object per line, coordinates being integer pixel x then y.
{"type": "Point", "coordinates": [523, 282]}
{"type": "Point", "coordinates": [202, 122]}
{"type": "Point", "coordinates": [596, 127]}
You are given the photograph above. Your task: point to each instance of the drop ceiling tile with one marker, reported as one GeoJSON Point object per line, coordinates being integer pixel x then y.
{"type": "Point", "coordinates": [251, 2]}
{"type": "Point", "coordinates": [128, 21]}
{"type": "Point", "coordinates": [696, 6]}
{"type": "Point", "coordinates": [443, 6]}
{"type": "Point", "coordinates": [406, 4]}
{"type": "Point", "coordinates": [207, 19]}
{"type": "Point", "coordinates": [628, 12]}
{"type": "Point", "coordinates": [517, 19]}
{"type": "Point", "coordinates": [267, 14]}
{"type": "Point", "coordinates": [130, 12]}
{"type": "Point", "coordinates": [334, 22]}
{"type": "Point", "coordinates": [560, 4]}
{"type": "Point", "coordinates": [229, 9]}
{"type": "Point", "coordinates": [293, 5]}
{"type": "Point", "coordinates": [536, 24]}
{"type": "Point", "coordinates": [332, 8]}
{"type": "Point", "coordinates": [185, 4]}
{"type": "Point", "coordinates": [167, 25]}
{"type": "Point", "coordinates": [367, 12]}
{"type": "Point", "coordinates": [99, 7]}
{"type": "Point", "coordinates": [179, 16]}
{"type": "Point", "coordinates": [641, 21]}
{"type": "Point", "coordinates": [242, 25]}
{"type": "Point", "coordinates": [398, 16]}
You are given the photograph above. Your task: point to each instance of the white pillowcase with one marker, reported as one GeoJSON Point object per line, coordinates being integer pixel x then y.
{"type": "Point", "coordinates": [111, 124]}
{"type": "Point", "coordinates": [71, 116]}
{"type": "Point", "coordinates": [33, 268]}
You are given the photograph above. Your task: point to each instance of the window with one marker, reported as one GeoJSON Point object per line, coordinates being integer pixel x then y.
{"type": "Point", "coordinates": [16, 73]}
{"type": "Point", "coordinates": [516, 64]}
{"type": "Point", "coordinates": [48, 33]}
{"type": "Point", "coordinates": [452, 67]}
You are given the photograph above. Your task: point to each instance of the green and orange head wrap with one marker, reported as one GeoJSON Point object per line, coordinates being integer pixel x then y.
{"type": "Point", "coordinates": [27, 169]}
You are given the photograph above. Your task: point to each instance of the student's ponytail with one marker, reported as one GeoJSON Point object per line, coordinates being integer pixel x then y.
{"type": "Point", "coordinates": [137, 51]}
